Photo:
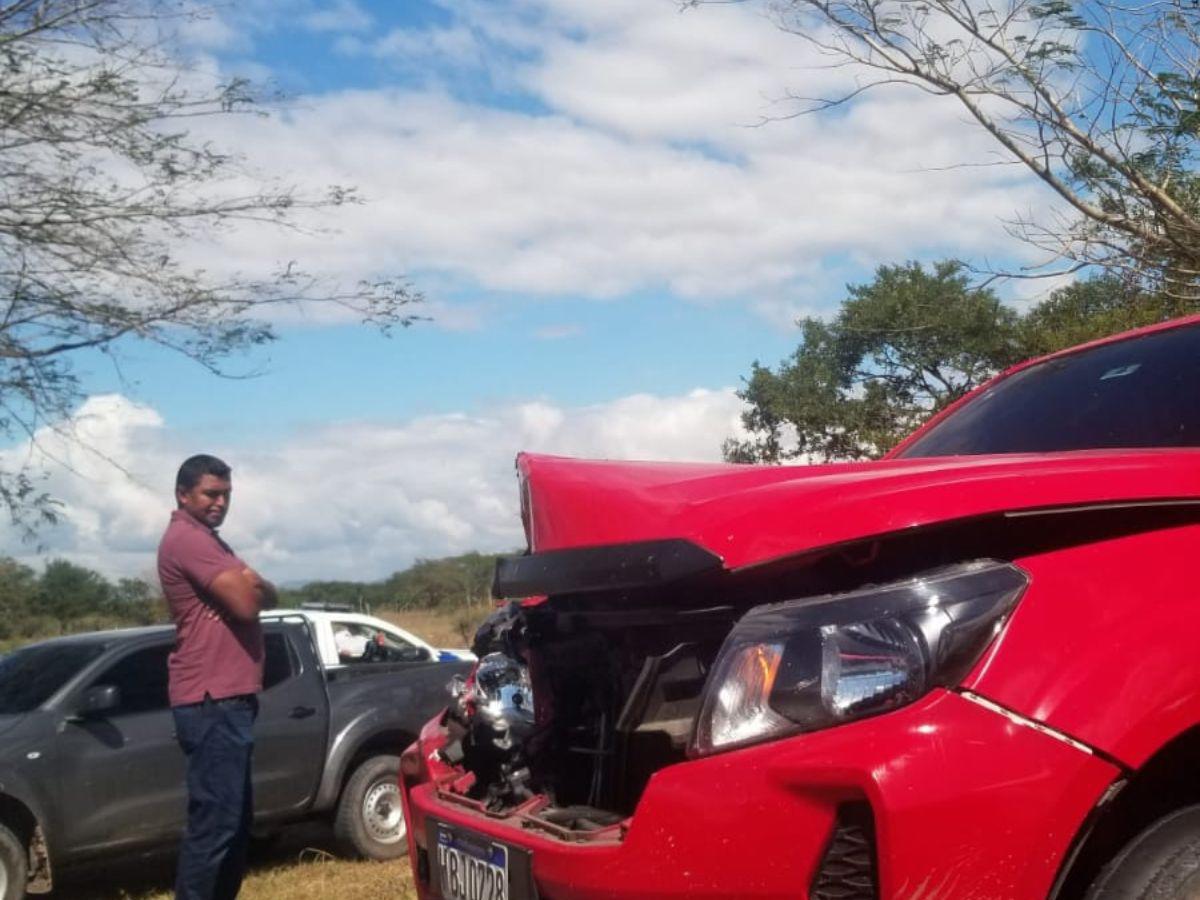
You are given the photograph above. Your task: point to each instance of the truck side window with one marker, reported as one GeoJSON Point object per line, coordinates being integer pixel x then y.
{"type": "Point", "coordinates": [359, 643]}
{"type": "Point", "coordinates": [353, 641]}
{"type": "Point", "coordinates": [279, 662]}
{"type": "Point", "coordinates": [141, 677]}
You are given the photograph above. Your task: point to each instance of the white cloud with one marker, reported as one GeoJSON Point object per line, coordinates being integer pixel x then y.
{"type": "Point", "coordinates": [339, 16]}
{"type": "Point", "coordinates": [407, 48]}
{"type": "Point", "coordinates": [514, 202]}
{"type": "Point", "coordinates": [205, 30]}
{"type": "Point", "coordinates": [234, 29]}
{"type": "Point", "coordinates": [648, 70]}
{"type": "Point", "coordinates": [637, 171]}
{"type": "Point", "coordinates": [348, 500]}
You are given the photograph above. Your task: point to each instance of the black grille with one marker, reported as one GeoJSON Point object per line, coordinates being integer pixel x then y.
{"type": "Point", "coordinates": [848, 870]}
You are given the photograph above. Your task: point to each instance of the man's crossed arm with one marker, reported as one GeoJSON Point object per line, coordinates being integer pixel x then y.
{"type": "Point", "coordinates": [243, 593]}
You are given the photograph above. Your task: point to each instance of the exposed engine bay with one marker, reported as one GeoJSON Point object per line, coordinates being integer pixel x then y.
{"type": "Point", "coordinates": [580, 707]}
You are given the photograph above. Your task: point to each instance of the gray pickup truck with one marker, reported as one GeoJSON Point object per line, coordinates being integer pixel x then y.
{"type": "Point", "coordinates": [89, 766]}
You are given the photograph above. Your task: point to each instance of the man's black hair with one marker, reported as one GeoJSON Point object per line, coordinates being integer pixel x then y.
{"type": "Point", "coordinates": [196, 467]}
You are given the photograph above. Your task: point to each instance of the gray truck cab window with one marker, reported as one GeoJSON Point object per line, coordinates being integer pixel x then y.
{"type": "Point", "coordinates": [29, 676]}
{"type": "Point", "coordinates": [279, 662]}
{"type": "Point", "coordinates": [141, 678]}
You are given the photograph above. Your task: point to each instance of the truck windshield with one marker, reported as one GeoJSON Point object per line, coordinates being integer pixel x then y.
{"type": "Point", "coordinates": [31, 675]}
{"type": "Point", "coordinates": [1134, 393]}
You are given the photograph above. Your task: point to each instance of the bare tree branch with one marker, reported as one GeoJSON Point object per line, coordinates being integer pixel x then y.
{"type": "Point", "coordinates": [1099, 99]}
{"type": "Point", "coordinates": [102, 184]}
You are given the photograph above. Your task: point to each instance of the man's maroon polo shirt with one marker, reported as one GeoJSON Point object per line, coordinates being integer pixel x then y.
{"type": "Point", "coordinates": [214, 654]}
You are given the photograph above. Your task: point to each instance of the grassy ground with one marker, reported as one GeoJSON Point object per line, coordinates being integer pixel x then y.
{"type": "Point", "coordinates": [301, 866]}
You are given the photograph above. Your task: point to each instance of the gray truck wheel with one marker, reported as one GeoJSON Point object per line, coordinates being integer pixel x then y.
{"type": "Point", "coordinates": [14, 870]}
{"type": "Point", "coordinates": [1161, 863]}
{"type": "Point", "coordinates": [370, 816]}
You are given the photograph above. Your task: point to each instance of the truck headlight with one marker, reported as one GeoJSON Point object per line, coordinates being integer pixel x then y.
{"type": "Point", "coordinates": [821, 661]}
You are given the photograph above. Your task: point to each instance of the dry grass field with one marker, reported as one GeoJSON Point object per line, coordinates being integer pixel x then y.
{"type": "Point", "coordinates": [302, 865]}
{"type": "Point", "coordinates": [299, 867]}
{"type": "Point", "coordinates": [442, 629]}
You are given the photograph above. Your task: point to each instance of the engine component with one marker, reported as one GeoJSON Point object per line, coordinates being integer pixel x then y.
{"type": "Point", "coordinates": [494, 707]}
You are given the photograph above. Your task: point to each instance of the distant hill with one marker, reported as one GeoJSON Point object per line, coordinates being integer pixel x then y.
{"type": "Point", "coordinates": [447, 583]}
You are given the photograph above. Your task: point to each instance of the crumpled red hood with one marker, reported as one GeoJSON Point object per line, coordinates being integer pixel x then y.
{"type": "Point", "coordinates": [749, 514]}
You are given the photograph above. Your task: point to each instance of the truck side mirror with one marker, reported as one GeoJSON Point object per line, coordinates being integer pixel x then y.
{"type": "Point", "coordinates": [98, 700]}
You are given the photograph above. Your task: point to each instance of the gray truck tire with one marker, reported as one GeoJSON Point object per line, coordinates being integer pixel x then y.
{"type": "Point", "coordinates": [1161, 863]}
{"type": "Point", "coordinates": [370, 816]}
{"type": "Point", "coordinates": [14, 866]}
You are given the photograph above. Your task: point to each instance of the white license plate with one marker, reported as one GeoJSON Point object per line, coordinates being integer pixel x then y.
{"type": "Point", "coordinates": [470, 867]}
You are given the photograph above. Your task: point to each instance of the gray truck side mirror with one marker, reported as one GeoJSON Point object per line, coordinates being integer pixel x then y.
{"type": "Point", "coordinates": [99, 699]}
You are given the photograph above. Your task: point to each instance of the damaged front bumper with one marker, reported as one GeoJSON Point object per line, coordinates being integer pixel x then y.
{"type": "Point", "coordinates": [946, 798]}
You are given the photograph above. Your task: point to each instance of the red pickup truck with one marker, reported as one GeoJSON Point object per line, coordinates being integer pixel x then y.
{"type": "Point", "coordinates": [968, 670]}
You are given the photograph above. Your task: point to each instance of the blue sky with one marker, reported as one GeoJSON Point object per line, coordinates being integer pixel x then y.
{"type": "Point", "coordinates": [606, 238]}
{"type": "Point", "coordinates": [589, 352]}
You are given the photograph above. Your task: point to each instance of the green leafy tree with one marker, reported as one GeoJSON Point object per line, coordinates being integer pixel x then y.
{"type": "Point", "coordinates": [102, 187]}
{"type": "Point", "coordinates": [18, 588]}
{"type": "Point", "coordinates": [132, 592]}
{"type": "Point", "coordinates": [442, 583]}
{"type": "Point", "coordinates": [447, 582]}
{"type": "Point", "coordinates": [67, 598]}
{"type": "Point", "coordinates": [68, 592]}
{"type": "Point", "coordinates": [353, 594]}
{"type": "Point", "coordinates": [1091, 309]}
{"type": "Point", "coordinates": [138, 601]}
{"type": "Point", "coordinates": [900, 348]}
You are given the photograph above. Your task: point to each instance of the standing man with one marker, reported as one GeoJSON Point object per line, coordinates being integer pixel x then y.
{"type": "Point", "coordinates": [215, 676]}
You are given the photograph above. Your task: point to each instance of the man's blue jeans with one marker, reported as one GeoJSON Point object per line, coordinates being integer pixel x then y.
{"type": "Point", "coordinates": [217, 737]}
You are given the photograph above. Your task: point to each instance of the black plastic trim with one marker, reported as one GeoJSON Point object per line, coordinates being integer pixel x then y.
{"type": "Point", "coordinates": [849, 867]}
{"type": "Point", "coordinates": [611, 567]}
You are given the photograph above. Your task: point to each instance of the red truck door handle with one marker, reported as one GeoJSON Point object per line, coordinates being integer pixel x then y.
{"type": "Point", "coordinates": [302, 712]}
